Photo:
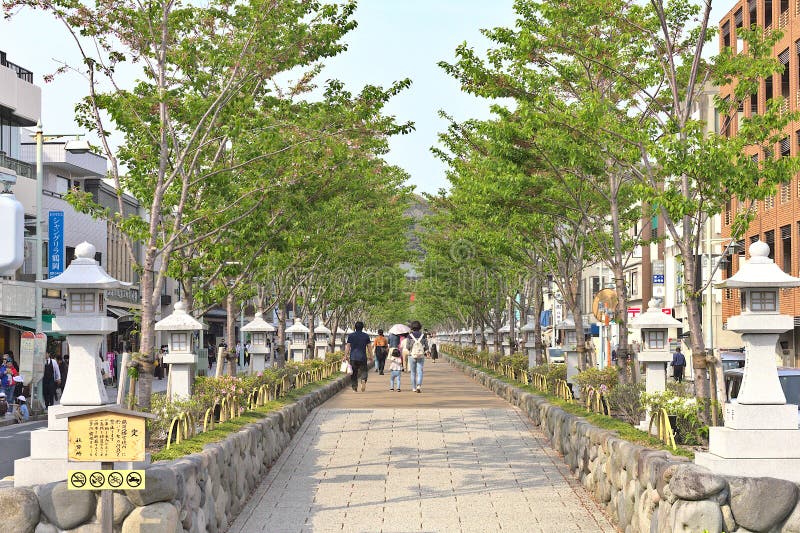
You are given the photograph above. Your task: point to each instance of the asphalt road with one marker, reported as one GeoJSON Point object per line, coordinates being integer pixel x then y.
{"type": "Point", "coordinates": [15, 443]}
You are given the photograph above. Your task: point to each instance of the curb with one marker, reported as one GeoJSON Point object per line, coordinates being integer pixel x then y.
{"type": "Point", "coordinates": [12, 422]}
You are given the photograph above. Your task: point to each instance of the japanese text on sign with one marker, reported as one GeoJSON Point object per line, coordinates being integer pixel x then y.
{"type": "Point", "coordinates": [55, 247]}
{"type": "Point", "coordinates": [106, 437]}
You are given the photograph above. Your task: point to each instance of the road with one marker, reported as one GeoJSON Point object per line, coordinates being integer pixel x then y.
{"type": "Point", "coordinates": [15, 443]}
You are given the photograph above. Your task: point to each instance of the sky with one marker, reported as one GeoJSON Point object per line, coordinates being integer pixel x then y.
{"type": "Point", "coordinates": [395, 39]}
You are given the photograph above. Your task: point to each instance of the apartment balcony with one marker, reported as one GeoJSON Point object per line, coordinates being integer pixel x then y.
{"type": "Point", "coordinates": [18, 93]}
{"type": "Point", "coordinates": [56, 156]}
{"type": "Point", "coordinates": [20, 168]}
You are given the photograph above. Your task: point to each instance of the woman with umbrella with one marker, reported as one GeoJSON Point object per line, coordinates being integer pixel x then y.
{"type": "Point", "coordinates": [397, 337]}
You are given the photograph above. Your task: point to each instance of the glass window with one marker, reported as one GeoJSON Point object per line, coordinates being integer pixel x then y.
{"type": "Point", "coordinates": [81, 302]}
{"type": "Point", "coordinates": [180, 342]}
{"type": "Point", "coordinates": [656, 340]}
{"type": "Point", "coordinates": [763, 301]}
{"type": "Point", "coordinates": [259, 338]}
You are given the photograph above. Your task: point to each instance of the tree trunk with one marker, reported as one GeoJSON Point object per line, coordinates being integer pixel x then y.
{"type": "Point", "coordinates": [538, 306]}
{"type": "Point", "coordinates": [280, 348]}
{"type": "Point", "coordinates": [230, 324]}
{"type": "Point", "coordinates": [147, 340]}
{"type": "Point", "coordinates": [695, 317]}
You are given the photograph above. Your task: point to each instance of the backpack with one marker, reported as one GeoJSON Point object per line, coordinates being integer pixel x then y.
{"type": "Point", "coordinates": [417, 349]}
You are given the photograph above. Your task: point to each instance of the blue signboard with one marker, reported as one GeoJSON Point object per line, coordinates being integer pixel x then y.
{"type": "Point", "coordinates": [658, 279]}
{"type": "Point", "coordinates": [55, 247]}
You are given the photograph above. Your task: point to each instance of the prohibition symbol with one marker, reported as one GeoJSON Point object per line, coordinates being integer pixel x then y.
{"type": "Point", "coordinates": [134, 479]}
{"type": "Point", "coordinates": [78, 479]}
{"type": "Point", "coordinates": [97, 479]}
{"type": "Point", "coordinates": [115, 479]}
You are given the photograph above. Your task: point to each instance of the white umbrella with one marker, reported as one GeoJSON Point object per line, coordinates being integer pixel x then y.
{"type": "Point", "coordinates": [399, 329]}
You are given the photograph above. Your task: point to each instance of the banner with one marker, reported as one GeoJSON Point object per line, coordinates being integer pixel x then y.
{"type": "Point", "coordinates": [55, 247]}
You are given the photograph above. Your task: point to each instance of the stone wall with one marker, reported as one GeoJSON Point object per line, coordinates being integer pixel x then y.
{"type": "Point", "coordinates": [196, 493]}
{"type": "Point", "coordinates": [653, 491]}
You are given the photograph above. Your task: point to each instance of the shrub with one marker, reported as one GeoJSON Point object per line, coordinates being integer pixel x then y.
{"type": "Point", "coordinates": [596, 378]}
{"type": "Point", "coordinates": [625, 401]}
{"type": "Point", "coordinates": [552, 371]}
{"type": "Point", "coordinates": [689, 428]}
{"type": "Point", "coordinates": [517, 361]}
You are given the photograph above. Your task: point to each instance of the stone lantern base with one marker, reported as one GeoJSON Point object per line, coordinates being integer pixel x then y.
{"type": "Point", "coordinates": [258, 361]}
{"type": "Point", "coordinates": [757, 441]}
{"type": "Point", "coordinates": [571, 358]}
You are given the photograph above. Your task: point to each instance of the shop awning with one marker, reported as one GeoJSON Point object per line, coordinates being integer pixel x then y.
{"type": "Point", "coordinates": [120, 313]}
{"type": "Point", "coordinates": [25, 324]}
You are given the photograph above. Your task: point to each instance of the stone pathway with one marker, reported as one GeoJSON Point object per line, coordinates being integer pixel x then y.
{"type": "Point", "coordinates": [454, 458]}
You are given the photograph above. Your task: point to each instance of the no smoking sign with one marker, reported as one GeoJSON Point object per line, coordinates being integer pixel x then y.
{"type": "Point", "coordinates": [105, 480]}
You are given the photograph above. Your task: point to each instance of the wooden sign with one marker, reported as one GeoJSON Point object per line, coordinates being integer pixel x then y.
{"type": "Point", "coordinates": [106, 437]}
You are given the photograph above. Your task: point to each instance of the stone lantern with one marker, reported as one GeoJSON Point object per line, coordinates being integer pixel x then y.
{"type": "Point", "coordinates": [322, 337]}
{"type": "Point", "coordinates": [530, 344]}
{"type": "Point", "coordinates": [298, 340]}
{"type": "Point", "coordinates": [260, 336]}
{"type": "Point", "coordinates": [654, 326]}
{"type": "Point", "coordinates": [760, 437]}
{"type": "Point", "coordinates": [570, 345]}
{"type": "Point", "coordinates": [489, 334]}
{"type": "Point", "coordinates": [339, 340]}
{"type": "Point", "coordinates": [180, 328]}
{"type": "Point", "coordinates": [505, 339]}
{"type": "Point", "coordinates": [85, 323]}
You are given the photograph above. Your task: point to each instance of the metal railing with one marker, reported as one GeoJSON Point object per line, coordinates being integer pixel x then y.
{"type": "Point", "coordinates": [564, 391]}
{"type": "Point", "coordinates": [665, 433]}
{"type": "Point", "coordinates": [22, 73]}
{"type": "Point", "coordinates": [21, 168]}
{"type": "Point", "coordinates": [595, 401]}
{"type": "Point", "coordinates": [183, 426]}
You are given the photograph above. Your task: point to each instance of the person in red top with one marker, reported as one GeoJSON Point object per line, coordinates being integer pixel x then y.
{"type": "Point", "coordinates": [381, 345]}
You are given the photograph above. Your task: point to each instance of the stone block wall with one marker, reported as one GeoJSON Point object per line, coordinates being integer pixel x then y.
{"type": "Point", "coordinates": [653, 491]}
{"type": "Point", "coordinates": [201, 492]}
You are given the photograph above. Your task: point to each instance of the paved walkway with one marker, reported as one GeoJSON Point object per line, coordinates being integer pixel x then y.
{"type": "Point", "coordinates": [454, 458]}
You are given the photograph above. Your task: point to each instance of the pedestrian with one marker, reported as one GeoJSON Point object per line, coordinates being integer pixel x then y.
{"type": "Point", "coordinates": [381, 344]}
{"type": "Point", "coordinates": [417, 348]}
{"type": "Point", "coordinates": [239, 354]}
{"type": "Point", "coordinates": [404, 352]}
{"type": "Point", "coordinates": [6, 376]}
{"type": "Point", "coordinates": [3, 404]}
{"type": "Point", "coordinates": [356, 348]}
{"type": "Point", "coordinates": [434, 352]}
{"type": "Point", "coordinates": [21, 413]}
{"type": "Point", "coordinates": [52, 378]}
{"type": "Point", "coordinates": [247, 348]}
{"type": "Point", "coordinates": [678, 365]}
{"type": "Point", "coordinates": [395, 368]}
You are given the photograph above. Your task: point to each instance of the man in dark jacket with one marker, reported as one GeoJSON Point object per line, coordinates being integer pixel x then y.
{"type": "Point", "coordinates": [678, 365]}
{"type": "Point", "coordinates": [358, 344]}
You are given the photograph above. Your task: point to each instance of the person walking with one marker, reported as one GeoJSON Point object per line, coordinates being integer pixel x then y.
{"type": "Point", "coordinates": [417, 349]}
{"type": "Point", "coordinates": [6, 376]}
{"type": "Point", "coordinates": [678, 365]}
{"type": "Point", "coordinates": [434, 352]}
{"type": "Point", "coordinates": [381, 344]}
{"type": "Point", "coordinates": [52, 377]}
{"type": "Point", "coordinates": [356, 348]}
{"type": "Point", "coordinates": [395, 369]}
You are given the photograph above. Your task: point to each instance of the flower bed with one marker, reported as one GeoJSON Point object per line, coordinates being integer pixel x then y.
{"type": "Point", "coordinates": [218, 400]}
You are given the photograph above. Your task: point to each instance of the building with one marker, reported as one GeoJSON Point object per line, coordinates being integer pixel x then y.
{"type": "Point", "coordinates": [777, 219]}
{"type": "Point", "coordinates": [20, 106]}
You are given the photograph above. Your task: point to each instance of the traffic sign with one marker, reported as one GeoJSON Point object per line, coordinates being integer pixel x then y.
{"type": "Point", "coordinates": [105, 479]}
{"type": "Point", "coordinates": [658, 279]}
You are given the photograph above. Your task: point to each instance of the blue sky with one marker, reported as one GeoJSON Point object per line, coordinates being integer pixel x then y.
{"type": "Point", "coordinates": [395, 39]}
